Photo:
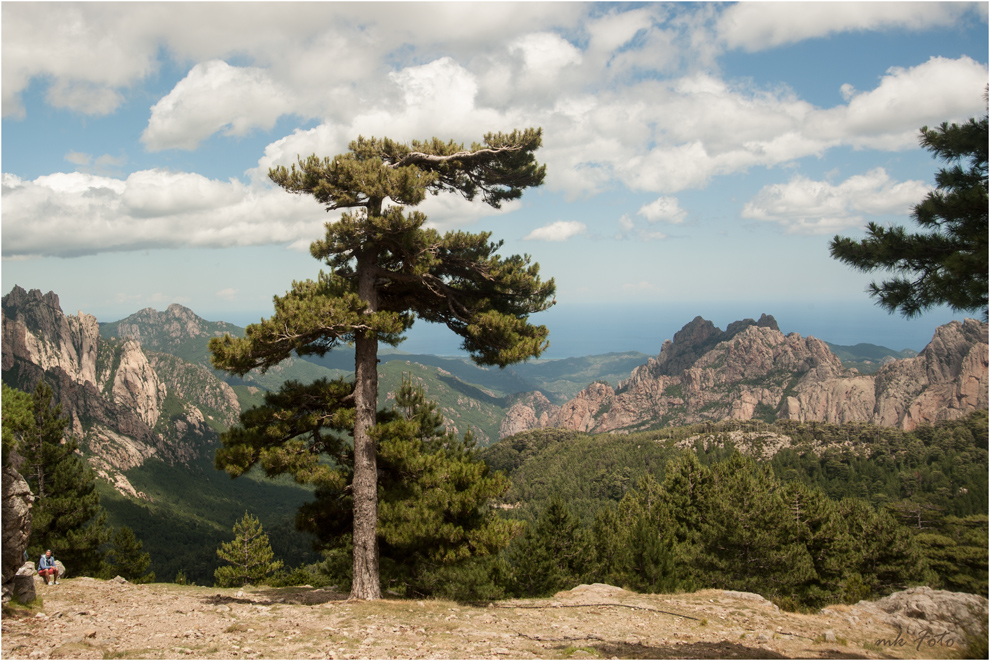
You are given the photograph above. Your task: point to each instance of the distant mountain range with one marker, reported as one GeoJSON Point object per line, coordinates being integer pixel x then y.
{"type": "Point", "coordinates": [154, 366]}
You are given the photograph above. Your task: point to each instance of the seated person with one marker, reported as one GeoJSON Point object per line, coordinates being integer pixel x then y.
{"type": "Point", "coordinates": [46, 568]}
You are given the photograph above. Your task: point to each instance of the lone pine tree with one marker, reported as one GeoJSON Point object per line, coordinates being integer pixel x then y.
{"type": "Point", "coordinates": [386, 270]}
{"type": "Point", "coordinates": [127, 559]}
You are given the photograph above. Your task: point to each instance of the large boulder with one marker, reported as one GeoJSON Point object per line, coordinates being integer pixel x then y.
{"type": "Point", "coordinates": [22, 586]}
{"type": "Point", "coordinates": [924, 611]}
{"type": "Point", "coordinates": [928, 617]}
{"type": "Point", "coordinates": [16, 512]}
{"type": "Point", "coordinates": [61, 569]}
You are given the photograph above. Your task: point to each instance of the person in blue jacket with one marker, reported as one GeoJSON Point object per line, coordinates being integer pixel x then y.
{"type": "Point", "coordinates": [47, 568]}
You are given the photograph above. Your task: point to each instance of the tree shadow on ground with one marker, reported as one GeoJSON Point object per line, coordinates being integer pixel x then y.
{"type": "Point", "coordinates": [719, 650]}
{"type": "Point", "coordinates": [268, 596]}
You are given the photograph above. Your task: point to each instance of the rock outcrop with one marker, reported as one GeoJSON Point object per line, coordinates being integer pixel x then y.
{"type": "Point", "coordinates": [136, 385]}
{"type": "Point", "coordinates": [946, 381]}
{"type": "Point", "coordinates": [23, 583]}
{"type": "Point", "coordinates": [531, 411]}
{"type": "Point", "coordinates": [926, 617]}
{"type": "Point", "coordinates": [16, 516]}
{"type": "Point", "coordinates": [40, 334]}
{"type": "Point", "coordinates": [752, 370]}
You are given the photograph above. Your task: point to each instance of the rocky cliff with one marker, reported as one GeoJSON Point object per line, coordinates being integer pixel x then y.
{"type": "Point", "coordinates": [752, 370]}
{"type": "Point", "coordinates": [126, 404]}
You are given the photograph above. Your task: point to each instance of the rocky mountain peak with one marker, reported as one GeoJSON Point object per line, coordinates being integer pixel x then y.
{"type": "Point", "coordinates": [175, 320]}
{"type": "Point", "coordinates": [180, 311]}
{"type": "Point", "coordinates": [19, 297]}
{"type": "Point", "coordinates": [176, 330]}
{"type": "Point", "coordinates": [697, 338]}
{"type": "Point", "coordinates": [36, 330]}
{"type": "Point", "coordinates": [767, 321]}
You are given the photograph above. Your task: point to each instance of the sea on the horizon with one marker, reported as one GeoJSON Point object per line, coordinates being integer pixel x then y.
{"type": "Point", "coordinates": [586, 329]}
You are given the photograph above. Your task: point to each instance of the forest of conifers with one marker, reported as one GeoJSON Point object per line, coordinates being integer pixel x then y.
{"type": "Point", "coordinates": [846, 512]}
{"type": "Point", "coordinates": [878, 510]}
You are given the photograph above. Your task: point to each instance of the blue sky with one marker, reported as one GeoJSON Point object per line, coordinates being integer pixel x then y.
{"type": "Point", "coordinates": [700, 156]}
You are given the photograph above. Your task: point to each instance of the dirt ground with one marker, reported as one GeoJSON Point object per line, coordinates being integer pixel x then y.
{"type": "Point", "coordinates": [85, 618]}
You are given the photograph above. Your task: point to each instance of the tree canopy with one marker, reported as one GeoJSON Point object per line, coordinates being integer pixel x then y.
{"type": "Point", "coordinates": [946, 263]}
{"type": "Point", "coordinates": [386, 269]}
{"type": "Point", "coordinates": [17, 419]}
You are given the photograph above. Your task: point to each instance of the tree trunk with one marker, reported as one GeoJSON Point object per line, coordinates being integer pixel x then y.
{"type": "Point", "coordinates": [366, 584]}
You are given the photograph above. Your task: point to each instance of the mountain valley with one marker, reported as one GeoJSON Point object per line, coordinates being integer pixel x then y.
{"type": "Point", "coordinates": [148, 408]}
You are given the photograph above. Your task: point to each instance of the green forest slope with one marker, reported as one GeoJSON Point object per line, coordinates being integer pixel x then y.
{"type": "Point", "coordinates": [921, 497]}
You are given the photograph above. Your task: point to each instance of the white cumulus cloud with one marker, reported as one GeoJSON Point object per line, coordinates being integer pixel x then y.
{"type": "Point", "coordinates": [86, 51]}
{"type": "Point", "coordinates": [629, 230]}
{"type": "Point", "coordinates": [755, 26]}
{"type": "Point", "coordinates": [888, 116]}
{"type": "Point", "coordinates": [805, 206]}
{"type": "Point", "coordinates": [561, 230]}
{"type": "Point", "coordinates": [71, 214]}
{"type": "Point", "coordinates": [213, 97]}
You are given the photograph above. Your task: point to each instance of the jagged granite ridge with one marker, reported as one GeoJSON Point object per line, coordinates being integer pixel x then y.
{"type": "Point", "coordinates": [125, 405]}
{"type": "Point", "coordinates": [752, 370]}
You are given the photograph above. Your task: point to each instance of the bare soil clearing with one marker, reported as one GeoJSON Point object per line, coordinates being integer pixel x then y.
{"type": "Point", "coordinates": [85, 618]}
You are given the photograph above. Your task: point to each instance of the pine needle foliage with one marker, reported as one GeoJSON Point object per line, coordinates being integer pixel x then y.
{"type": "Point", "coordinates": [945, 263]}
{"type": "Point", "coordinates": [17, 419]}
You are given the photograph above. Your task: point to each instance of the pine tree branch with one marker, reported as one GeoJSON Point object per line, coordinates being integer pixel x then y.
{"type": "Point", "coordinates": [465, 157]}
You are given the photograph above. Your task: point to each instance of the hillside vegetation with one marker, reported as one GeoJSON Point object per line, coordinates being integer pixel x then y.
{"type": "Point", "coordinates": [661, 510]}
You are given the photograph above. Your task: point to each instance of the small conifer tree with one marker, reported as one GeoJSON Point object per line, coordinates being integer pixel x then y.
{"type": "Point", "coordinates": [250, 555]}
{"type": "Point", "coordinates": [126, 558]}
{"type": "Point", "coordinates": [551, 554]}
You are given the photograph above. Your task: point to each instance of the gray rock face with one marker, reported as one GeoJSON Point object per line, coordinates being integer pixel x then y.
{"type": "Point", "coordinates": [753, 370]}
{"type": "Point", "coordinates": [946, 381]}
{"type": "Point", "coordinates": [136, 386]}
{"type": "Point", "coordinates": [23, 583]}
{"type": "Point", "coordinates": [35, 329]}
{"type": "Point", "coordinates": [532, 411]}
{"type": "Point", "coordinates": [17, 501]}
